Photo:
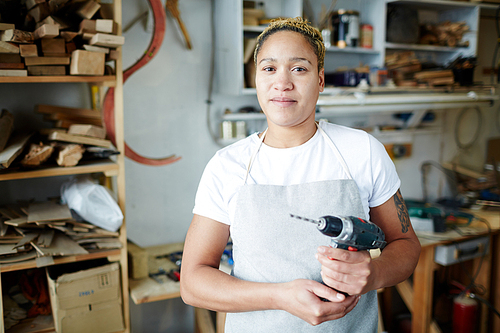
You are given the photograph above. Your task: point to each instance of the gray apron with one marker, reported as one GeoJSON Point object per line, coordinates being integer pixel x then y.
{"type": "Point", "coordinates": [269, 246]}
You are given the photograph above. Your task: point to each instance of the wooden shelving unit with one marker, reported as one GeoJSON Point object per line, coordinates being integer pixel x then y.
{"type": "Point", "coordinates": [107, 167]}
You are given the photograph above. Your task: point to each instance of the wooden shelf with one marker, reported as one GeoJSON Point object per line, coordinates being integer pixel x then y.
{"type": "Point", "coordinates": [109, 80]}
{"type": "Point", "coordinates": [421, 47]}
{"type": "Point", "coordinates": [28, 264]}
{"type": "Point", "coordinates": [108, 167]}
{"type": "Point", "coordinates": [352, 50]}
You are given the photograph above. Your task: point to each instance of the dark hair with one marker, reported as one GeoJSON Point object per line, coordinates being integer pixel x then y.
{"type": "Point", "coordinates": [299, 25]}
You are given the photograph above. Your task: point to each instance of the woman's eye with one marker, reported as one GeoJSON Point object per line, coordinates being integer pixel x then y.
{"type": "Point", "coordinates": [299, 69]}
{"type": "Point", "coordinates": [268, 69]}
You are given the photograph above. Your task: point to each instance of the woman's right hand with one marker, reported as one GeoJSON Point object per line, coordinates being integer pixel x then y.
{"type": "Point", "coordinates": [303, 298]}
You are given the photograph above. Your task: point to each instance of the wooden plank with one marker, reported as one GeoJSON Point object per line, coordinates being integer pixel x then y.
{"type": "Point", "coordinates": [61, 245]}
{"type": "Point", "coordinates": [76, 112]}
{"type": "Point", "coordinates": [27, 238]}
{"type": "Point", "coordinates": [106, 26]}
{"type": "Point", "coordinates": [423, 284]}
{"type": "Point", "coordinates": [59, 136]}
{"type": "Point", "coordinates": [7, 26]}
{"type": "Point", "coordinates": [87, 63]}
{"type": "Point", "coordinates": [7, 47]}
{"type": "Point", "coordinates": [11, 65]}
{"type": "Point", "coordinates": [46, 70]}
{"type": "Point", "coordinates": [106, 40]}
{"type": "Point", "coordinates": [137, 261]}
{"type": "Point", "coordinates": [93, 48]}
{"type": "Point", "coordinates": [87, 130]}
{"type": "Point", "coordinates": [13, 72]}
{"type": "Point", "coordinates": [203, 322]}
{"type": "Point", "coordinates": [47, 31]}
{"type": "Point", "coordinates": [28, 50]}
{"type": "Point", "coordinates": [41, 61]}
{"type": "Point", "coordinates": [53, 47]}
{"type": "Point", "coordinates": [6, 127]}
{"type": "Point", "coordinates": [11, 57]}
{"type": "Point", "coordinates": [13, 149]}
{"type": "Point", "coordinates": [16, 36]}
{"type": "Point", "coordinates": [87, 9]}
{"type": "Point", "coordinates": [46, 237]}
{"type": "Point", "coordinates": [48, 211]}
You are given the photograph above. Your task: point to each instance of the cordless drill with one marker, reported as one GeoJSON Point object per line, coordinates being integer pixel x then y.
{"type": "Point", "coordinates": [349, 232]}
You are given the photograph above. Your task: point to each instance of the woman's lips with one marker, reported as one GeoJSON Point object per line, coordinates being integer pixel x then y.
{"type": "Point", "coordinates": [282, 101]}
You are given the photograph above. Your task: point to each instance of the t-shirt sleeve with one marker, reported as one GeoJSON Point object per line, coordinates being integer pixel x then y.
{"type": "Point", "coordinates": [385, 179]}
{"type": "Point", "coordinates": [209, 200]}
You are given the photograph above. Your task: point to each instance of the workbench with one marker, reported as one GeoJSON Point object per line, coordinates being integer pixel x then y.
{"type": "Point", "coordinates": [418, 294]}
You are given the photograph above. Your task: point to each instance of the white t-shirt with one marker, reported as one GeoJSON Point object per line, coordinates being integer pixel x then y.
{"type": "Point", "coordinates": [366, 158]}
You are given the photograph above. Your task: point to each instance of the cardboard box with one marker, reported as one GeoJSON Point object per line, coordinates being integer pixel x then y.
{"type": "Point", "coordinates": [87, 300]}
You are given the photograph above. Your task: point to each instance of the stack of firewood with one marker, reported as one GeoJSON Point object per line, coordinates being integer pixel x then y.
{"type": "Point", "coordinates": [56, 37]}
{"type": "Point", "coordinates": [406, 71]}
{"type": "Point", "coordinates": [444, 34]}
{"type": "Point", "coordinates": [78, 131]}
{"type": "Point", "coordinates": [402, 66]}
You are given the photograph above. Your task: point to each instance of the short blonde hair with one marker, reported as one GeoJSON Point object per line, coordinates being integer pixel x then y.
{"type": "Point", "coordinates": [299, 25]}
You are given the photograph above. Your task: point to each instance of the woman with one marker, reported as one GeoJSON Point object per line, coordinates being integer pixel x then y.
{"type": "Point", "coordinates": [285, 276]}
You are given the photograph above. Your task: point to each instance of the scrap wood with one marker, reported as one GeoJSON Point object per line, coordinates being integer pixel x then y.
{"type": "Point", "coordinates": [27, 239]}
{"type": "Point", "coordinates": [16, 36]}
{"type": "Point", "coordinates": [13, 149]}
{"type": "Point", "coordinates": [45, 238]}
{"type": "Point", "coordinates": [18, 222]}
{"type": "Point", "coordinates": [59, 135]}
{"type": "Point", "coordinates": [87, 130]}
{"type": "Point", "coordinates": [69, 154]}
{"type": "Point", "coordinates": [3, 227]}
{"type": "Point", "coordinates": [61, 245]}
{"type": "Point", "coordinates": [48, 211]}
{"type": "Point", "coordinates": [7, 249]}
{"type": "Point", "coordinates": [80, 112]}
{"type": "Point", "coordinates": [18, 257]}
{"type": "Point", "coordinates": [37, 154]}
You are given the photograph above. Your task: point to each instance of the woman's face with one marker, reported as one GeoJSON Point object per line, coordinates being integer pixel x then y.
{"type": "Point", "coordinates": [287, 79]}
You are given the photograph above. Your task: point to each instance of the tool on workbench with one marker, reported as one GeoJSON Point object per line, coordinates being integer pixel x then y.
{"type": "Point", "coordinates": [349, 232]}
{"type": "Point", "coordinates": [173, 275]}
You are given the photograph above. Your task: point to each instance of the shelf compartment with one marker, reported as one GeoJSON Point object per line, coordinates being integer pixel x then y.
{"type": "Point", "coordinates": [108, 167]}
{"type": "Point", "coordinates": [108, 80]}
{"type": "Point", "coordinates": [28, 264]}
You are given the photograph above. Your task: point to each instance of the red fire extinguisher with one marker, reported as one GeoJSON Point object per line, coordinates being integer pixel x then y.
{"type": "Point", "coordinates": [465, 314]}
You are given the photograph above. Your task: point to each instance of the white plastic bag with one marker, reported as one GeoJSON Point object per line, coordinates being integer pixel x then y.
{"type": "Point", "coordinates": [93, 203]}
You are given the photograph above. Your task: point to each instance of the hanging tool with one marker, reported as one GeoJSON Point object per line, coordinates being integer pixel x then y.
{"type": "Point", "coordinates": [108, 107]}
{"type": "Point", "coordinates": [349, 232]}
{"type": "Point", "coordinates": [172, 7]}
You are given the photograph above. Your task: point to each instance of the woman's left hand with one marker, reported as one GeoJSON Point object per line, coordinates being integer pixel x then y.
{"type": "Point", "coordinates": [347, 271]}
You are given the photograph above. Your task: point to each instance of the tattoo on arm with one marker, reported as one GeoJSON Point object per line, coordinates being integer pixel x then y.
{"type": "Point", "coordinates": [404, 218]}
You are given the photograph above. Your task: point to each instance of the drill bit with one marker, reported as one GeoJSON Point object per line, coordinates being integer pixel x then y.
{"type": "Point", "coordinates": [305, 219]}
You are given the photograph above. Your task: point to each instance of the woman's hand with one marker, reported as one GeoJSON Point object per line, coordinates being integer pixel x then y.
{"type": "Point", "coordinates": [303, 298]}
{"type": "Point", "coordinates": [346, 271]}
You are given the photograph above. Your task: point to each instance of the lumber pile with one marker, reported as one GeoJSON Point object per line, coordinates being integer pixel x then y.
{"type": "Point", "coordinates": [57, 37]}
{"type": "Point", "coordinates": [44, 230]}
{"type": "Point", "coordinates": [78, 134]}
{"type": "Point", "coordinates": [406, 71]}
{"type": "Point", "coordinates": [444, 34]}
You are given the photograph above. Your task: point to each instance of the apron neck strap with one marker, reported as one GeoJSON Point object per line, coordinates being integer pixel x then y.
{"type": "Point", "coordinates": [325, 136]}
